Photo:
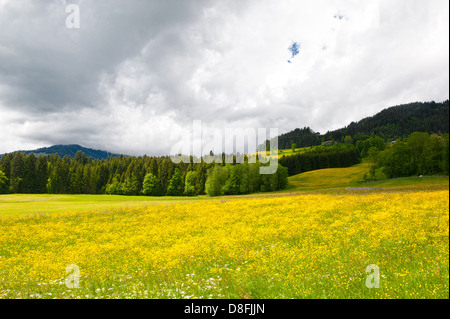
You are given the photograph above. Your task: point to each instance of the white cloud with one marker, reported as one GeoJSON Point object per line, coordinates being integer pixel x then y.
{"type": "Point", "coordinates": [135, 72]}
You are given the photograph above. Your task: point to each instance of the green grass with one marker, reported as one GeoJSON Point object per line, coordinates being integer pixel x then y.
{"type": "Point", "coordinates": [413, 182]}
{"type": "Point", "coordinates": [22, 204]}
{"type": "Point", "coordinates": [288, 152]}
{"type": "Point", "coordinates": [313, 244]}
{"type": "Point", "coordinates": [328, 178]}
{"type": "Point", "coordinates": [304, 246]}
{"type": "Point", "coordinates": [353, 177]}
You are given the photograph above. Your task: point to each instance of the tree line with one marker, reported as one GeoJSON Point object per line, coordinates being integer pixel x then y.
{"type": "Point", "coordinates": [303, 137]}
{"type": "Point", "coordinates": [244, 179]}
{"type": "Point", "coordinates": [420, 153]}
{"type": "Point", "coordinates": [154, 176]}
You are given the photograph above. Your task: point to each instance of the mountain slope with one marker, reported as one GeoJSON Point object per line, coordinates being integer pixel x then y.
{"type": "Point", "coordinates": [399, 121]}
{"type": "Point", "coordinates": [351, 178]}
{"type": "Point", "coordinates": [71, 150]}
{"type": "Point", "coordinates": [391, 123]}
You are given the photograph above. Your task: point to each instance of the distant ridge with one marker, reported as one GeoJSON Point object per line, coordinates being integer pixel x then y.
{"type": "Point", "coordinates": [71, 150]}
{"type": "Point", "coordinates": [391, 123]}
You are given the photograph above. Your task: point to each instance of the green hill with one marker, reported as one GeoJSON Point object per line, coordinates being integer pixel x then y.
{"type": "Point", "coordinates": [398, 122]}
{"type": "Point", "coordinates": [71, 150]}
{"type": "Point", "coordinates": [391, 123]}
{"type": "Point", "coordinates": [352, 178]}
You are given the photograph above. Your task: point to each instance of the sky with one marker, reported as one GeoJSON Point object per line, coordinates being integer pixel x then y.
{"type": "Point", "coordinates": [136, 74]}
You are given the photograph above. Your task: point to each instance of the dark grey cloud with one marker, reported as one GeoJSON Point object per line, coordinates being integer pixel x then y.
{"type": "Point", "coordinates": [49, 67]}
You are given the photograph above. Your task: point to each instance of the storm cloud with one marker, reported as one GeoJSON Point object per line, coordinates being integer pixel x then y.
{"type": "Point", "coordinates": [136, 72]}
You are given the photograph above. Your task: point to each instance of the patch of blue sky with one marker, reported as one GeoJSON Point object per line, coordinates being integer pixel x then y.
{"type": "Point", "coordinates": [294, 49]}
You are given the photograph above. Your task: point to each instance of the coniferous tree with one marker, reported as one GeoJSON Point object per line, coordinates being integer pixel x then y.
{"type": "Point", "coordinates": [4, 183]}
{"type": "Point", "coordinates": [16, 175]}
{"type": "Point", "coordinates": [102, 179]}
{"type": "Point", "coordinates": [5, 164]}
{"type": "Point", "coordinates": [29, 185]}
{"type": "Point", "coordinates": [58, 181]}
{"type": "Point", "coordinates": [41, 174]}
{"type": "Point", "coordinates": [131, 185]}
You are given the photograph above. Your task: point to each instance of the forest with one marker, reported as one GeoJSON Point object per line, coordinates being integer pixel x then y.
{"type": "Point", "coordinates": [392, 123]}
{"type": "Point", "coordinates": [418, 154]}
{"type": "Point", "coordinates": [125, 175]}
{"type": "Point", "coordinates": [403, 140]}
{"type": "Point", "coordinates": [341, 155]}
{"type": "Point", "coordinates": [303, 137]}
{"type": "Point", "coordinates": [398, 122]}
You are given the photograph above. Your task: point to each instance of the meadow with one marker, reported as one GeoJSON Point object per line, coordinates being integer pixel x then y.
{"type": "Point", "coordinates": [302, 244]}
{"type": "Point", "coordinates": [23, 204]}
{"type": "Point", "coordinates": [353, 177]}
{"type": "Point", "coordinates": [287, 152]}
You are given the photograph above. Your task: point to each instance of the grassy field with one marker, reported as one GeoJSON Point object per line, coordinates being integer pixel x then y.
{"type": "Point", "coordinates": [314, 243]}
{"type": "Point", "coordinates": [352, 177]}
{"type": "Point", "coordinates": [329, 178]}
{"type": "Point", "coordinates": [23, 204]}
{"type": "Point", "coordinates": [288, 152]}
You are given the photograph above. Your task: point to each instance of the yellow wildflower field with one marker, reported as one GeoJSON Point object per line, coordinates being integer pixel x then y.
{"type": "Point", "coordinates": [312, 245]}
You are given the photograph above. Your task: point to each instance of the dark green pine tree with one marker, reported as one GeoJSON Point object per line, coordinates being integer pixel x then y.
{"type": "Point", "coordinates": [445, 160]}
{"type": "Point", "coordinates": [17, 166]}
{"type": "Point", "coordinates": [4, 183]}
{"type": "Point", "coordinates": [76, 180]}
{"type": "Point", "coordinates": [131, 185]}
{"type": "Point", "coordinates": [5, 164]}
{"type": "Point", "coordinates": [102, 178]}
{"type": "Point", "coordinates": [153, 167]}
{"type": "Point", "coordinates": [202, 170]}
{"type": "Point", "coordinates": [41, 174]}
{"type": "Point", "coordinates": [165, 171]}
{"type": "Point", "coordinates": [29, 185]}
{"type": "Point", "coordinates": [58, 181]}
